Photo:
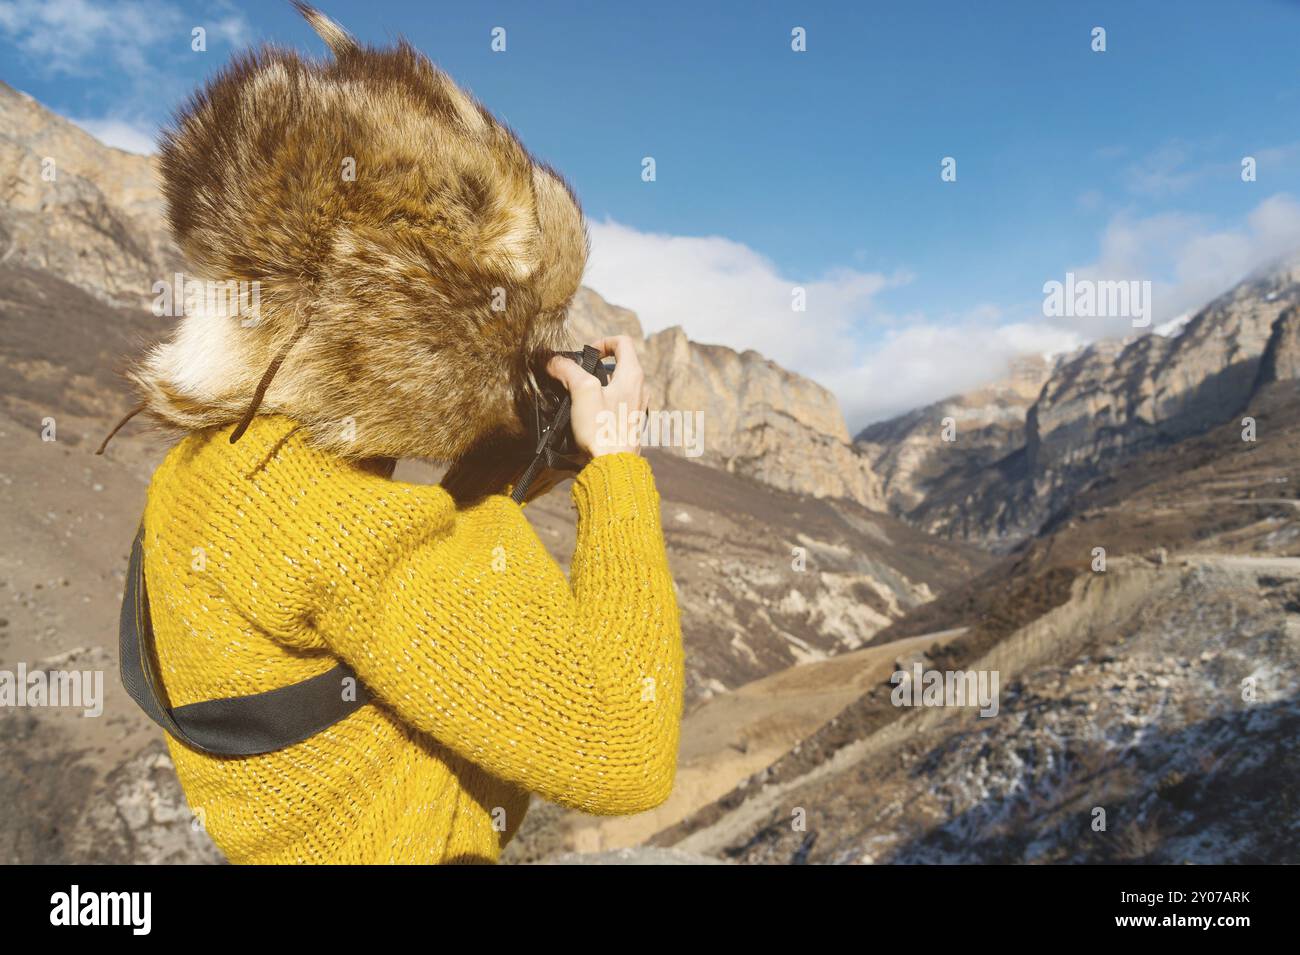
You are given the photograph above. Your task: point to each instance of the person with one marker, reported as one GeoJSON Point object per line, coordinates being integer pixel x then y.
{"type": "Point", "coordinates": [414, 267]}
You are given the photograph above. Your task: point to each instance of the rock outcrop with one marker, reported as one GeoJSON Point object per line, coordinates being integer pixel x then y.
{"type": "Point", "coordinates": [759, 420]}
{"type": "Point", "coordinates": [1118, 399]}
{"type": "Point", "coordinates": [70, 205]}
{"type": "Point", "coordinates": [1281, 361]}
{"type": "Point", "coordinates": [912, 458]}
{"type": "Point", "coordinates": [1100, 406]}
{"type": "Point", "coordinates": [738, 411]}
{"type": "Point", "coordinates": [591, 318]}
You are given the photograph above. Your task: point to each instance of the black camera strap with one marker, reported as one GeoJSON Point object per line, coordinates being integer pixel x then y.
{"type": "Point", "coordinates": [237, 725]}
{"type": "Point", "coordinates": [545, 455]}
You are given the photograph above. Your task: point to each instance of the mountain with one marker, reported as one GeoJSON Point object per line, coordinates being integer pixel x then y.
{"type": "Point", "coordinates": [73, 207]}
{"type": "Point", "coordinates": [1155, 695]}
{"type": "Point", "coordinates": [912, 459]}
{"type": "Point", "coordinates": [1097, 409]}
{"type": "Point", "coordinates": [756, 419]}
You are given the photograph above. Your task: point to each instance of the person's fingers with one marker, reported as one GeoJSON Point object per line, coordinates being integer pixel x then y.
{"type": "Point", "coordinates": [569, 373]}
{"type": "Point", "coordinates": [610, 344]}
{"type": "Point", "coordinates": [626, 363]}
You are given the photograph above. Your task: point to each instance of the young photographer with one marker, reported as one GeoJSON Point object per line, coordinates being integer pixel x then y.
{"type": "Point", "coordinates": [410, 309]}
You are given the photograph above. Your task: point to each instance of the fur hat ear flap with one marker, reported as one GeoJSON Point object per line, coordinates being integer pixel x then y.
{"type": "Point", "coordinates": [564, 238]}
{"type": "Point", "coordinates": [265, 382]}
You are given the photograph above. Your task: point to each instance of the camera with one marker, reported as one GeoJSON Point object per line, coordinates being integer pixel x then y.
{"type": "Point", "coordinates": [554, 445]}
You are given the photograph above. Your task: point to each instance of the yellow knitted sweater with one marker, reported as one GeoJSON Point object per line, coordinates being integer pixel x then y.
{"type": "Point", "coordinates": [268, 561]}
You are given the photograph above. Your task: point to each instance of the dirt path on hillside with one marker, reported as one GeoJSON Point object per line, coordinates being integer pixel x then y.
{"type": "Point", "coordinates": [1101, 606]}
{"type": "Point", "coordinates": [734, 735]}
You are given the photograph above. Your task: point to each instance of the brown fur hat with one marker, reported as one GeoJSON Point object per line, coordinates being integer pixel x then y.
{"type": "Point", "coordinates": [401, 307]}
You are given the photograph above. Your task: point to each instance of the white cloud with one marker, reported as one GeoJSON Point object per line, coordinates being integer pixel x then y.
{"type": "Point", "coordinates": [134, 137]}
{"type": "Point", "coordinates": [724, 292]}
{"type": "Point", "coordinates": [77, 37]}
{"type": "Point", "coordinates": [923, 363]}
{"type": "Point", "coordinates": [133, 42]}
{"type": "Point", "coordinates": [1187, 260]}
{"type": "Point", "coordinates": [879, 365]}
{"type": "Point", "coordinates": [1167, 169]}
{"type": "Point", "coordinates": [130, 37]}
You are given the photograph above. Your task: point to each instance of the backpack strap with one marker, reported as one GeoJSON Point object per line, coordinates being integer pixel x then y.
{"type": "Point", "coordinates": [233, 726]}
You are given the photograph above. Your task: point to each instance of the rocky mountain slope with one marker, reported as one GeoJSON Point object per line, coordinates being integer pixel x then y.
{"type": "Point", "coordinates": [1125, 700]}
{"type": "Point", "coordinates": [73, 207]}
{"type": "Point", "coordinates": [1100, 407]}
{"type": "Point", "coordinates": [1148, 706]}
{"type": "Point", "coordinates": [912, 458]}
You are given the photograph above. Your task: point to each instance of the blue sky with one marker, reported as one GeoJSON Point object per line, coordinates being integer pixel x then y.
{"type": "Point", "coordinates": [820, 169]}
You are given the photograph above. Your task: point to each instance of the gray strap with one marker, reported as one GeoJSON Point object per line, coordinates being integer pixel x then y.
{"type": "Point", "coordinates": [234, 726]}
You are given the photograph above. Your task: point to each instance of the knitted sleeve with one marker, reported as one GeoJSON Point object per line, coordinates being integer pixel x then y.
{"type": "Point", "coordinates": [572, 690]}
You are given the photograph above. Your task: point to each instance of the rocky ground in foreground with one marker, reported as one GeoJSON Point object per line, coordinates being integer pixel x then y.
{"type": "Point", "coordinates": [1160, 688]}
{"type": "Point", "coordinates": [1147, 725]}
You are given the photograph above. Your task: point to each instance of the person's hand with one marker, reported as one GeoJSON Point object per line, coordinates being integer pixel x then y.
{"type": "Point", "coordinates": [605, 420]}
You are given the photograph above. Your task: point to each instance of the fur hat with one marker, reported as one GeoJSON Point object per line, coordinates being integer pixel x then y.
{"type": "Point", "coordinates": [412, 259]}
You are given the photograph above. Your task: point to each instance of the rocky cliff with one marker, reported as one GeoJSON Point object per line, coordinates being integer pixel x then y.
{"type": "Point", "coordinates": [738, 411]}
{"type": "Point", "coordinates": [1281, 360]}
{"type": "Point", "coordinates": [71, 206]}
{"type": "Point", "coordinates": [912, 458]}
{"type": "Point", "coordinates": [1117, 399]}
{"type": "Point", "coordinates": [1098, 408]}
